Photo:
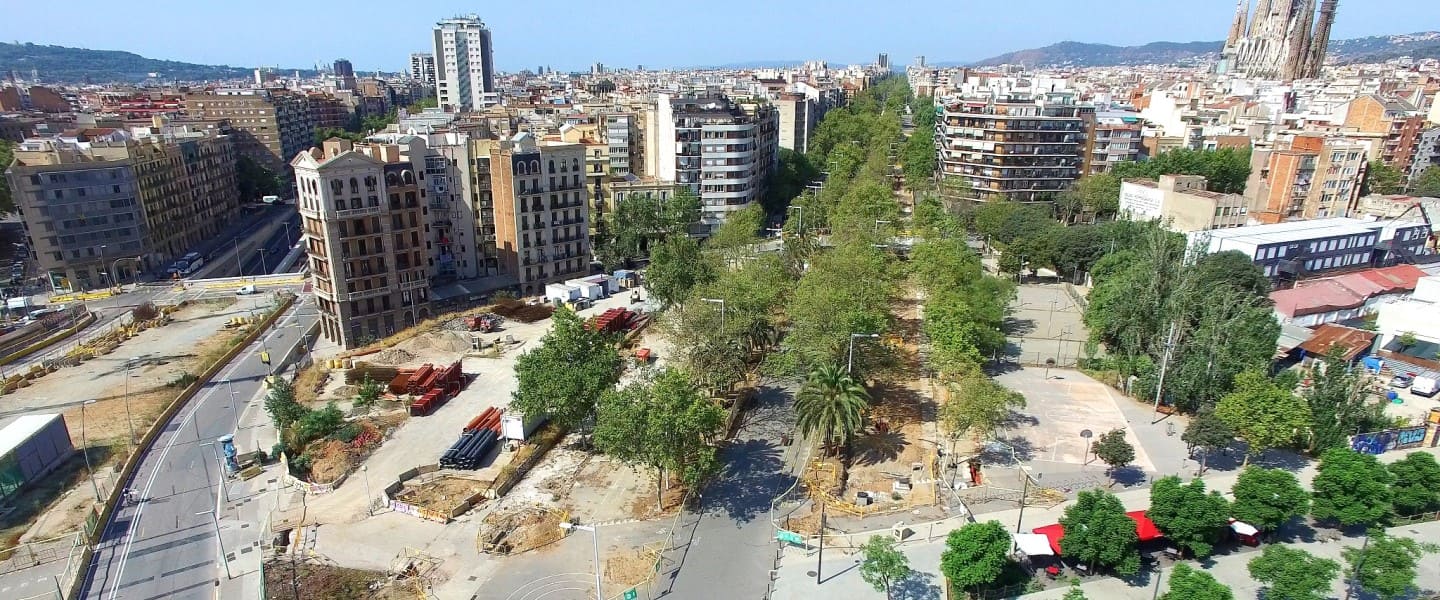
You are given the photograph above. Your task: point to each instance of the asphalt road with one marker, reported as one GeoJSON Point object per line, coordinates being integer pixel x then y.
{"type": "Point", "coordinates": [160, 548]}
{"type": "Point", "coordinates": [726, 547]}
{"type": "Point", "coordinates": [275, 249]}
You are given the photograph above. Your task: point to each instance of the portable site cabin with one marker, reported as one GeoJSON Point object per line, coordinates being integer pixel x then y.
{"type": "Point", "coordinates": [31, 447]}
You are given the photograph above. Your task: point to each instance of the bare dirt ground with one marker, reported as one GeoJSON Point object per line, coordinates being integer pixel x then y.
{"type": "Point", "coordinates": [629, 567]}
{"type": "Point", "coordinates": [286, 580]}
{"type": "Point", "coordinates": [520, 527]}
{"type": "Point", "coordinates": [592, 488]}
{"type": "Point", "coordinates": [441, 494]}
{"type": "Point", "coordinates": [899, 443]}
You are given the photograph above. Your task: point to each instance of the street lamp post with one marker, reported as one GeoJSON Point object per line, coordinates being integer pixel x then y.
{"type": "Point", "coordinates": [103, 279]}
{"type": "Point", "coordinates": [721, 302]}
{"type": "Point", "coordinates": [264, 269]}
{"type": "Point", "coordinates": [369, 500]}
{"type": "Point", "coordinates": [878, 222]}
{"type": "Point", "coordinates": [850, 354]}
{"type": "Point", "coordinates": [85, 451]}
{"type": "Point", "coordinates": [219, 541]}
{"type": "Point", "coordinates": [1050, 326]}
{"type": "Point", "coordinates": [595, 538]}
{"type": "Point", "coordinates": [234, 407]}
{"type": "Point", "coordinates": [800, 227]}
{"type": "Point", "coordinates": [239, 269]}
{"type": "Point", "coordinates": [128, 419]}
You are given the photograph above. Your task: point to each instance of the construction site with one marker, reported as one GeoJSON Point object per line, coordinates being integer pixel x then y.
{"type": "Point", "coordinates": [459, 476]}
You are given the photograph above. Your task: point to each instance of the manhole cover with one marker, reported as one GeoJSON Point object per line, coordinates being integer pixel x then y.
{"type": "Point", "coordinates": [809, 573]}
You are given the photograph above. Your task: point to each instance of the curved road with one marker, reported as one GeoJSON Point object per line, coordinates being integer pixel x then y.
{"type": "Point", "coordinates": [160, 548]}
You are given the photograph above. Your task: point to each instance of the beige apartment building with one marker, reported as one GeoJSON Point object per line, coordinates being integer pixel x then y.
{"type": "Point", "coordinates": [361, 212]}
{"type": "Point", "coordinates": [539, 210]}
{"type": "Point", "coordinates": [1310, 177]}
{"type": "Point", "coordinates": [1182, 203]}
{"type": "Point", "coordinates": [270, 125]}
{"type": "Point", "coordinates": [102, 212]}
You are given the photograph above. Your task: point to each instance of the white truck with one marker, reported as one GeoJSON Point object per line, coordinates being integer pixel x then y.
{"type": "Point", "coordinates": [1426, 384]}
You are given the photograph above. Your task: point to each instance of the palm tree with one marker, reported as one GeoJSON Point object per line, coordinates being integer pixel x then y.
{"type": "Point", "coordinates": [831, 402]}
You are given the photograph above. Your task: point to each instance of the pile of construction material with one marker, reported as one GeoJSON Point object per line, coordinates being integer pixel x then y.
{"type": "Point", "coordinates": [522, 312]}
{"type": "Point", "coordinates": [476, 440]}
{"type": "Point", "coordinates": [434, 386]}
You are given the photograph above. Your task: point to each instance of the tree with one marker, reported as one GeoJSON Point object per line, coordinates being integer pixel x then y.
{"type": "Point", "coordinates": [1383, 179]}
{"type": "Point", "coordinates": [1225, 170]}
{"type": "Point", "coordinates": [1337, 403]}
{"type": "Point", "coordinates": [975, 555]}
{"type": "Point", "coordinates": [882, 565]}
{"type": "Point", "coordinates": [676, 267]}
{"type": "Point", "coordinates": [1385, 565]}
{"type": "Point", "coordinates": [1351, 488]}
{"type": "Point", "coordinates": [255, 181]}
{"type": "Point", "coordinates": [7, 156]}
{"type": "Point", "coordinates": [369, 393]}
{"type": "Point", "coordinates": [1268, 498]}
{"type": "Point", "coordinates": [1265, 415]}
{"type": "Point", "coordinates": [831, 403]}
{"type": "Point", "coordinates": [317, 424]}
{"type": "Point", "coordinates": [563, 378]}
{"type": "Point", "coordinates": [1417, 484]}
{"type": "Point", "coordinates": [1113, 450]}
{"type": "Point", "coordinates": [977, 404]}
{"type": "Point", "coordinates": [1406, 340]}
{"type": "Point", "coordinates": [664, 423]}
{"type": "Point", "coordinates": [1427, 184]}
{"type": "Point", "coordinates": [1207, 433]}
{"type": "Point", "coordinates": [1099, 533]}
{"type": "Point", "coordinates": [422, 104]}
{"type": "Point", "coordinates": [281, 404]}
{"type": "Point", "coordinates": [635, 225]}
{"type": "Point", "coordinates": [1189, 584]}
{"type": "Point", "coordinates": [1190, 518]}
{"type": "Point", "coordinates": [1293, 574]}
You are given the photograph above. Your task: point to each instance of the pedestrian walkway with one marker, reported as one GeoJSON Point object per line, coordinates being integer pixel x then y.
{"type": "Point", "coordinates": [839, 578]}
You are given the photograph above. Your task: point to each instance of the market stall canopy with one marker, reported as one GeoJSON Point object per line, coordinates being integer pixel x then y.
{"type": "Point", "coordinates": [1052, 533]}
{"type": "Point", "coordinates": [1144, 527]}
{"type": "Point", "coordinates": [1243, 528]}
{"type": "Point", "coordinates": [1033, 544]}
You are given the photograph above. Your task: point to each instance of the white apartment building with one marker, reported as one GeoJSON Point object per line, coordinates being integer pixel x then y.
{"type": "Point", "coordinates": [464, 64]}
{"type": "Point", "coordinates": [422, 67]}
{"type": "Point", "coordinates": [722, 151]}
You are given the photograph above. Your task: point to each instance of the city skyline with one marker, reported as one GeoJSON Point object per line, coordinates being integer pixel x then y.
{"type": "Point", "coordinates": [846, 31]}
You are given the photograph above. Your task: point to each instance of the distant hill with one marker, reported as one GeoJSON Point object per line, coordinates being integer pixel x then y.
{"type": "Point", "coordinates": [1079, 54]}
{"type": "Point", "coordinates": [80, 65]}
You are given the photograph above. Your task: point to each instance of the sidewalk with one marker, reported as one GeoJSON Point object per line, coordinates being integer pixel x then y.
{"type": "Point", "coordinates": [795, 577]}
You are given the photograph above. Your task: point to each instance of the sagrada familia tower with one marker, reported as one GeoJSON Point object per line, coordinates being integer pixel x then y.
{"type": "Point", "coordinates": [1283, 39]}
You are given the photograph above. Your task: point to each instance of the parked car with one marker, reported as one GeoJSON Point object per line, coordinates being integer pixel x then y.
{"type": "Point", "coordinates": [246, 290]}
{"type": "Point", "coordinates": [1402, 380]}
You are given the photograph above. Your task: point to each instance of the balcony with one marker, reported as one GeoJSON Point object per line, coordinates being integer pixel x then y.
{"type": "Point", "coordinates": [413, 285]}
{"type": "Point", "coordinates": [364, 211]}
{"type": "Point", "coordinates": [370, 293]}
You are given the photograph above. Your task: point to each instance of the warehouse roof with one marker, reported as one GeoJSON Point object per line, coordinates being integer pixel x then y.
{"type": "Point", "coordinates": [1291, 231]}
{"type": "Point", "coordinates": [21, 430]}
{"type": "Point", "coordinates": [1340, 292]}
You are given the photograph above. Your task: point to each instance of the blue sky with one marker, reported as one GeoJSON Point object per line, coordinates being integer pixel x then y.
{"type": "Point", "coordinates": [565, 34]}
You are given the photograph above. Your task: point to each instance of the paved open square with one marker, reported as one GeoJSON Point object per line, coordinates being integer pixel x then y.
{"type": "Point", "coordinates": [1057, 410]}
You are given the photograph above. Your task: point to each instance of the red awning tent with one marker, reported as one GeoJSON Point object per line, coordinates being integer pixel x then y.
{"type": "Point", "coordinates": [1145, 529]}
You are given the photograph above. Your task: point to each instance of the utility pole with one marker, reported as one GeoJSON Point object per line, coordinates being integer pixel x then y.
{"type": "Point", "coordinates": [820, 553]}
{"type": "Point", "coordinates": [1164, 364]}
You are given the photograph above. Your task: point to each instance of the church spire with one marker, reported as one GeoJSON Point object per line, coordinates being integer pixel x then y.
{"type": "Point", "coordinates": [1237, 29]}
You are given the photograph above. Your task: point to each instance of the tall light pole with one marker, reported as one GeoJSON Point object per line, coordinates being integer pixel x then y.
{"type": "Point", "coordinates": [878, 222]}
{"type": "Point", "coordinates": [800, 227]}
{"type": "Point", "coordinates": [850, 355]}
{"type": "Point", "coordinates": [722, 309]}
{"type": "Point", "coordinates": [219, 541]}
{"type": "Point", "coordinates": [115, 275]}
{"type": "Point", "coordinates": [1050, 326]}
{"type": "Point", "coordinates": [595, 538]}
{"type": "Point", "coordinates": [235, 408]}
{"type": "Point", "coordinates": [84, 441]}
{"type": "Point", "coordinates": [369, 500]}
{"type": "Point", "coordinates": [239, 269]}
{"type": "Point", "coordinates": [102, 266]}
{"type": "Point", "coordinates": [264, 269]}
{"type": "Point", "coordinates": [129, 420]}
